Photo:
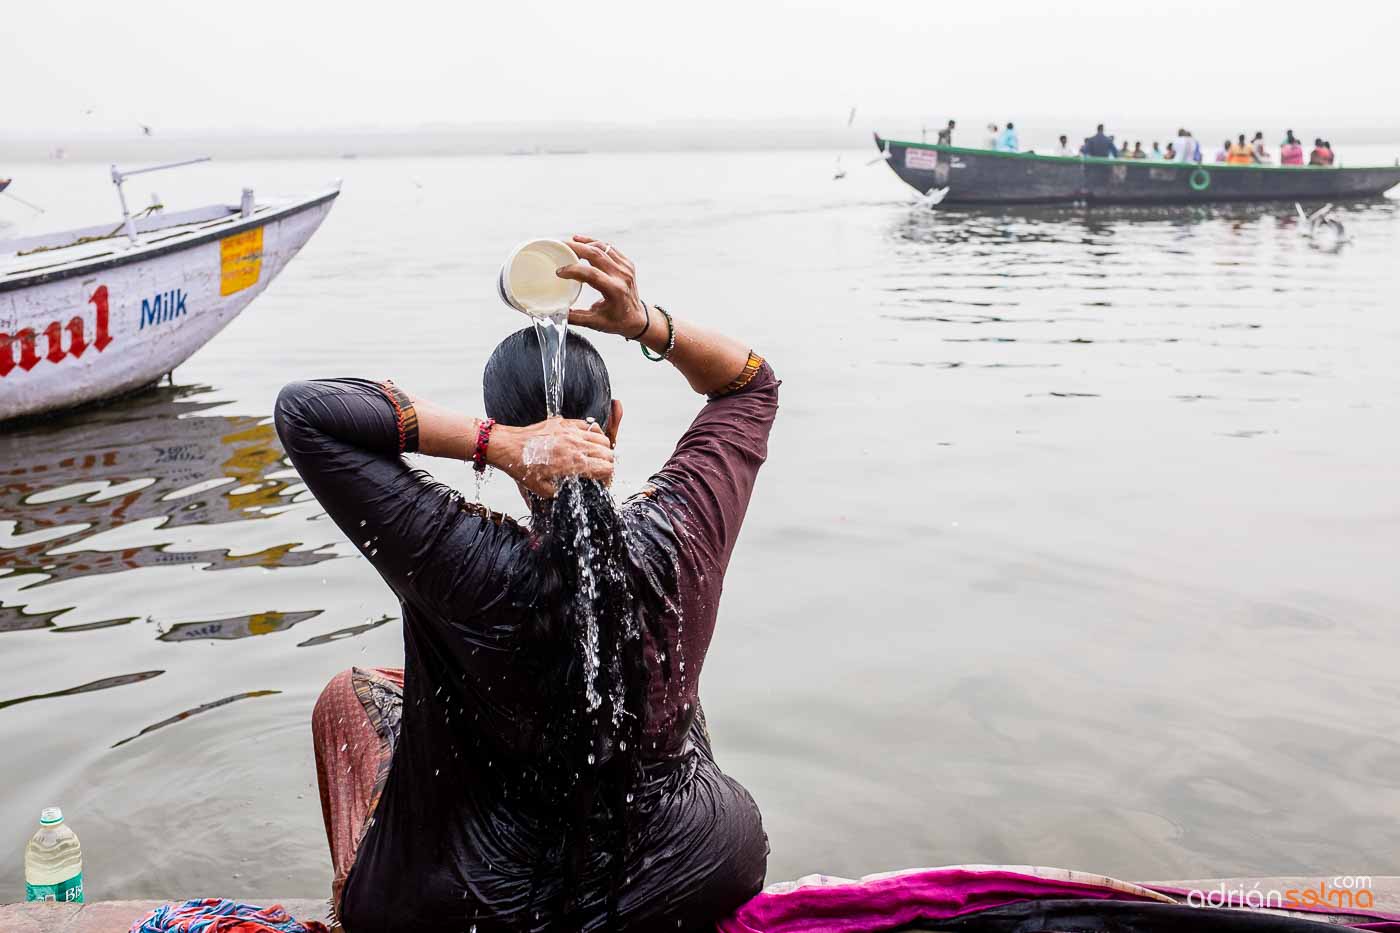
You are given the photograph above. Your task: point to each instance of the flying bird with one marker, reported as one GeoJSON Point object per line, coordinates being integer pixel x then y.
{"type": "Point", "coordinates": [852, 118]}
{"type": "Point", "coordinates": [934, 197]}
{"type": "Point", "coordinates": [884, 155]}
{"type": "Point", "coordinates": [145, 130]}
{"type": "Point", "coordinates": [1319, 223]}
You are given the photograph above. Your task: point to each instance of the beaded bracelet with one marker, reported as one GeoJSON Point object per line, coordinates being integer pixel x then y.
{"type": "Point", "coordinates": [483, 439]}
{"type": "Point", "coordinates": [670, 338]}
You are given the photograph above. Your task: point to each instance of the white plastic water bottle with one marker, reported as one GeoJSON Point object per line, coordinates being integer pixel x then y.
{"type": "Point", "coordinates": [53, 861]}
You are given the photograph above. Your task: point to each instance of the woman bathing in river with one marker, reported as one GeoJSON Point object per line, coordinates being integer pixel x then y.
{"type": "Point", "coordinates": [505, 778]}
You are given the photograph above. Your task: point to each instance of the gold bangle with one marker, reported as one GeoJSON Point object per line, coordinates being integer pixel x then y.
{"type": "Point", "coordinates": [751, 368]}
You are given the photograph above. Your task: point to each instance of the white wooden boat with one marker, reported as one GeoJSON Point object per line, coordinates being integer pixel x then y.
{"type": "Point", "coordinates": [98, 312]}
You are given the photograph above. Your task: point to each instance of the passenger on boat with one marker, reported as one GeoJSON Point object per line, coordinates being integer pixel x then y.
{"type": "Point", "coordinates": [1331, 156]}
{"type": "Point", "coordinates": [1186, 147]}
{"type": "Point", "coordinates": [1009, 141]}
{"type": "Point", "coordinates": [1156, 152]}
{"type": "Point", "coordinates": [1100, 146]}
{"type": "Point", "coordinates": [1176, 149]}
{"type": "Point", "coordinates": [993, 134]}
{"type": "Point", "coordinates": [945, 135]}
{"type": "Point", "coordinates": [1223, 153]}
{"type": "Point", "coordinates": [1064, 150]}
{"type": "Point", "coordinates": [1290, 151]}
{"type": "Point", "coordinates": [502, 778]}
{"type": "Point", "coordinates": [1138, 152]}
{"type": "Point", "coordinates": [1241, 153]}
{"type": "Point", "coordinates": [1261, 155]}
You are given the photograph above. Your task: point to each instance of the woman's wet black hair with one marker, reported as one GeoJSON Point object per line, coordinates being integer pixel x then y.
{"type": "Point", "coordinates": [578, 592]}
{"type": "Point", "coordinates": [513, 382]}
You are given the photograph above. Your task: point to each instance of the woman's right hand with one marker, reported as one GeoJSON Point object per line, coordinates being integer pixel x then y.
{"type": "Point", "coordinates": [620, 309]}
{"type": "Point", "coordinates": [539, 455]}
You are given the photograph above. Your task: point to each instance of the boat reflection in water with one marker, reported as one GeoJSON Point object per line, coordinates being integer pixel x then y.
{"type": "Point", "coordinates": [1023, 225]}
{"type": "Point", "coordinates": [72, 490]}
{"type": "Point", "coordinates": [245, 626]}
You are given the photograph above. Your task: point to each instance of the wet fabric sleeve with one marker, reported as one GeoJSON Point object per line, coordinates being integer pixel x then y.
{"type": "Point", "coordinates": [713, 467]}
{"type": "Point", "coordinates": [344, 437]}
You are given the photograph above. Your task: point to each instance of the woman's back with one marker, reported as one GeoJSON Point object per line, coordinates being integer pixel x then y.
{"type": "Point", "coordinates": [474, 819]}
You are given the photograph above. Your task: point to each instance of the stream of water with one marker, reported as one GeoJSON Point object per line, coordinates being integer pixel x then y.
{"type": "Point", "coordinates": [552, 328]}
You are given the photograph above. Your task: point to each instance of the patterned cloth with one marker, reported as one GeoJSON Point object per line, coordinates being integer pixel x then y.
{"type": "Point", "coordinates": [354, 728]}
{"type": "Point", "coordinates": [220, 915]}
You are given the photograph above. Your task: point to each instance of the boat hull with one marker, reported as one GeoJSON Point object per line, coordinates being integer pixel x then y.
{"type": "Point", "coordinates": [977, 176]}
{"type": "Point", "coordinates": [78, 335]}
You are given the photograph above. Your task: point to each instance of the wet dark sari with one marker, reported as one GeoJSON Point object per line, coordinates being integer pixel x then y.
{"type": "Point", "coordinates": [453, 833]}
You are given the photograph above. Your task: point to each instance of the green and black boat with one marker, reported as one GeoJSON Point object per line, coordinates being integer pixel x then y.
{"type": "Point", "coordinates": [984, 176]}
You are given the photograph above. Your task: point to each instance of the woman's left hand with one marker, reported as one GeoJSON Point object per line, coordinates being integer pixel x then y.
{"type": "Point", "coordinates": [612, 275]}
{"type": "Point", "coordinates": [539, 455]}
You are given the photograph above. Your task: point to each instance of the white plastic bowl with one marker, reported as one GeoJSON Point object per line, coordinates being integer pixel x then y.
{"type": "Point", "coordinates": [527, 281]}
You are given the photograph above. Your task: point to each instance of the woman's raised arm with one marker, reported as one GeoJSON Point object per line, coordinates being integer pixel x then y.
{"type": "Point", "coordinates": [717, 460]}
{"type": "Point", "coordinates": [709, 361]}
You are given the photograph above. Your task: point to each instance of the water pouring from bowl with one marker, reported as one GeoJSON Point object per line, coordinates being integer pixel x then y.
{"type": "Point", "coordinates": [528, 283]}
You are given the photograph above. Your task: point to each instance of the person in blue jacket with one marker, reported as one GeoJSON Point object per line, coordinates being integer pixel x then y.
{"type": "Point", "coordinates": [1009, 142]}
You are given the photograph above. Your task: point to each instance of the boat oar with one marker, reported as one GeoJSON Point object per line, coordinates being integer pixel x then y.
{"type": "Point", "coordinates": [15, 197]}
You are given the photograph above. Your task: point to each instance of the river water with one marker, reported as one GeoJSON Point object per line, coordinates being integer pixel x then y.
{"type": "Point", "coordinates": [1076, 546]}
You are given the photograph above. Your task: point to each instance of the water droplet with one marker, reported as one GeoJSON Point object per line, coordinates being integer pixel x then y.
{"type": "Point", "coordinates": [375, 550]}
{"type": "Point", "coordinates": [591, 759]}
{"type": "Point", "coordinates": [362, 524]}
{"type": "Point", "coordinates": [344, 746]}
{"type": "Point", "coordinates": [629, 797]}
{"type": "Point", "coordinates": [366, 544]}
{"type": "Point", "coordinates": [622, 745]}
{"type": "Point", "coordinates": [436, 772]}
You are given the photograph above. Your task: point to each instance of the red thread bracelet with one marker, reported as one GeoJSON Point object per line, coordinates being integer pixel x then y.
{"type": "Point", "coordinates": [483, 440]}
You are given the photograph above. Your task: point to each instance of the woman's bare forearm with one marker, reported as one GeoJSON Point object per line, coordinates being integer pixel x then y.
{"type": "Point", "coordinates": [565, 448]}
{"type": "Point", "coordinates": [707, 359]}
{"type": "Point", "coordinates": [443, 432]}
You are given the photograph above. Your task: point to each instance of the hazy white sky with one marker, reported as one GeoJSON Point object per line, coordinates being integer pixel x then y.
{"type": "Point", "coordinates": [198, 64]}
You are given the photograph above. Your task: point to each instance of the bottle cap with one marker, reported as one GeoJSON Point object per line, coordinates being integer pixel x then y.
{"type": "Point", "coordinates": [50, 816]}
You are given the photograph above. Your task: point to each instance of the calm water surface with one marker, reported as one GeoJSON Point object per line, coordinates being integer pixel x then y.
{"type": "Point", "coordinates": [1077, 544]}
